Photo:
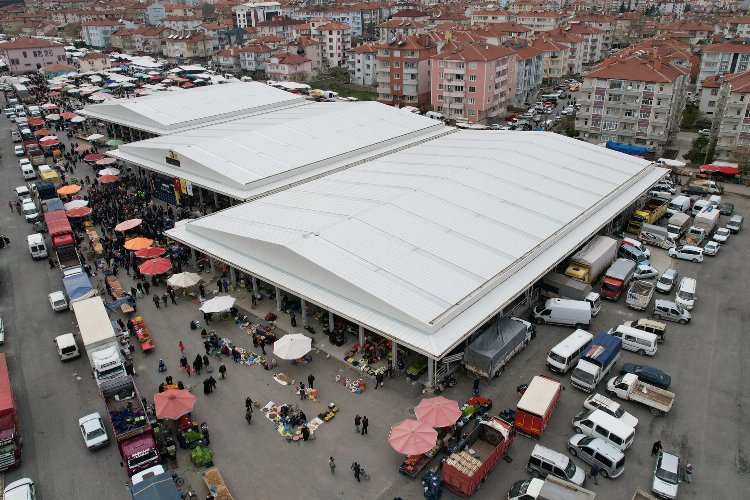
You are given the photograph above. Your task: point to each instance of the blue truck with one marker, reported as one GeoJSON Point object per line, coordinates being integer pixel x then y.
{"type": "Point", "coordinates": [596, 361]}
{"type": "Point", "coordinates": [77, 285]}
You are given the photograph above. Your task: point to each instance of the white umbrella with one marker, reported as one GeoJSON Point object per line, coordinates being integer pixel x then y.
{"type": "Point", "coordinates": [78, 119]}
{"type": "Point", "coordinates": [53, 117]}
{"type": "Point", "coordinates": [184, 280]}
{"type": "Point", "coordinates": [48, 138]}
{"type": "Point", "coordinates": [218, 304]}
{"type": "Point", "coordinates": [94, 137]}
{"type": "Point", "coordinates": [76, 204]}
{"type": "Point", "coordinates": [292, 346]}
{"type": "Point", "coordinates": [109, 171]}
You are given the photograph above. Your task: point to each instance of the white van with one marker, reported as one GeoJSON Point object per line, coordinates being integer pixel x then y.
{"type": "Point", "coordinates": [23, 489]}
{"type": "Point", "coordinates": [563, 356]}
{"type": "Point", "coordinates": [714, 199]}
{"type": "Point", "coordinates": [28, 172]}
{"type": "Point", "coordinates": [37, 248]}
{"type": "Point", "coordinates": [602, 425]}
{"type": "Point", "coordinates": [67, 347]}
{"type": "Point", "coordinates": [644, 343]}
{"type": "Point", "coordinates": [679, 204]}
{"type": "Point", "coordinates": [562, 312]}
{"type": "Point", "coordinates": [699, 205]}
{"type": "Point", "coordinates": [434, 115]}
{"type": "Point", "coordinates": [686, 293]}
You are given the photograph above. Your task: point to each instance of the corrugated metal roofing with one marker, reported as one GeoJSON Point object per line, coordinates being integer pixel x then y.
{"type": "Point", "coordinates": [426, 243]}
{"type": "Point", "coordinates": [168, 112]}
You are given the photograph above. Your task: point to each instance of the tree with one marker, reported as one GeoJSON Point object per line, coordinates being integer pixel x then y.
{"type": "Point", "coordinates": [688, 8]}
{"type": "Point", "coordinates": [697, 154]}
{"type": "Point", "coordinates": [690, 115]}
{"type": "Point", "coordinates": [741, 155]}
{"type": "Point", "coordinates": [622, 7]}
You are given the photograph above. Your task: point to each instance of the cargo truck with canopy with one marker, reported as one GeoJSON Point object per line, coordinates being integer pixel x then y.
{"type": "Point", "coordinates": [490, 352]}
{"type": "Point", "coordinates": [535, 407]}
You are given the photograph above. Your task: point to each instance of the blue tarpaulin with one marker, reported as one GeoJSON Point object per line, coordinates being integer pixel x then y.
{"type": "Point", "coordinates": [627, 148]}
{"type": "Point", "coordinates": [77, 286]}
{"type": "Point", "coordinates": [160, 487]}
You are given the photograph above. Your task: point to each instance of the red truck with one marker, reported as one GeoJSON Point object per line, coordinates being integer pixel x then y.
{"type": "Point", "coordinates": [130, 424]}
{"type": "Point", "coordinates": [463, 471]}
{"type": "Point", "coordinates": [10, 440]}
{"type": "Point", "coordinates": [63, 239]}
{"type": "Point", "coordinates": [617, 279]}
{"type": "Point", "coordinates": [536, 405]}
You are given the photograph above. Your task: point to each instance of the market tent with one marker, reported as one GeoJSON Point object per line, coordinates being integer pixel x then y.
{"type": "Point", "coordinates": [115, 142]}
{"type": "Point", "coordinates": [155, 266]}
{"type": "Point", "coordinates": [93, 157]}
{"type": "Point", "coordinates": [184, 280]}
{"type": "Point", "coordinates": [173, 403]}
{"type": "Point", "coordinates": [68, 115]}
{"type": "Point", "coordinates": [438, 411]}
{"type": "Point", "coordinates": [53, 116]}
{"type": "Point", "coordinates": [722, 169]}
{"type": "Point", "coordinates": [292, 346]}
{"type": "Point", "coordinates": [78, 119]}
{"type": "Point", "coordinates": [69, 189]}
{"type": "Point", "coordinates": [49, 142]}
{"type": "Point", "coordinates": [138, 243]}
{"type": "Point", "coordinates": [107, 179]}
{"type": "Point", "coordinates": [106, 161]}
{"type": "Point", "coordinates": [82, 147]}
{"type": "Point", "coordinates": [218, 304]}
{"type": "Point", "coordinates": [109, 171]}
{"type": "Point", "coordinates": [412, 437]}
{"type": "Point", "coordinates": [94, 137]}
{"type": "Point", "coordinates": [79, 212]}
{"type": "Point", "coordinates": [160, 487]}
{"type": "Point", "coordinates": [128, 224]}
{"type": "Point", "coordinates": [42, 132]}
{"type": "Point", "coordinates": [150, 252]}
{"type": "Point", "coordinates": [36, 121]}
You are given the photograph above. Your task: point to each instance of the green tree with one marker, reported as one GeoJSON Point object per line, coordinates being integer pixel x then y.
{"type": "Point", "coordinates": [688, 8]}
{"type": "Point", "coordinates": [698, 152]}
{"type": "Point", "coordinates": [690, 115]}
{"type": "Point", "coordinates": [622, 7]}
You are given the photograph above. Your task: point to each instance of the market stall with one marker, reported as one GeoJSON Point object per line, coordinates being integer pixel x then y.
{"type": "Point", "coordinates": [144, 334]}
{"type": "Point", "coordinates": [216, 485]}
{"type": "Point", "coordinates": [118, 293]}
{"type": "Point", "coordinates": [291, 422]}
{"type": "Point", "coordinates": [94, 239]}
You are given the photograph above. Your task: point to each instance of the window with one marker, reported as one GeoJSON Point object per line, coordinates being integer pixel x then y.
{"type": "Point", "coordinates": [714, 91]}
{"type": "Point", "coordinates": [610, 125]}
{"type": "Point", "coordinates": [441, 64]}
{"type": "Point", "coordinates": [661, 87]}
{"type": "Point", "coordinates": [649, 87]}
{"type": "Point", "coordinates": [396, 76]}
{"type": "Point", "coordinates": [643, 128]}
{"type": "Point", "coordinates": [647, 102]}
{"type": "Point", "coordinates": [472, 65]}
{"type": "Point", "coordinates": [396, 86]}
{"type": "Point", "coordinates": [471, 100]}
{"type": "Point", "coordinates": [472, 90]}
{"type": "Point", "coordinates": [615, 84]}
{"type": "Point", "coordinates": [472, 78]}
{"type": "Point", "coordinates": [440, 75]}
{"type": "Point", "coordinates": [472, 112]}
{"type": "Point", "coordinates": [440, 86]}
{"type": "Point", "coordinates": [711, 104]}
{"type": "Point", "coordinates": [396, 53]}
{"type": "Point", "coordinates": [599, 97]}
{"type": "Point", "coordinates": [396, 64]}
{"type": "Point", "coordinates": [460, 65]}
{"type": "Point", "coordinates": [644, 115]}
{"type": "Point", "coordinates": [614, 98]}
{"type": "Point", "coordinates": [440, 97]}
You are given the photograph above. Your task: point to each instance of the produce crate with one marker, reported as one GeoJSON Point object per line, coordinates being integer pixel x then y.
{"type": "Point", "coordinates": [216, 485]}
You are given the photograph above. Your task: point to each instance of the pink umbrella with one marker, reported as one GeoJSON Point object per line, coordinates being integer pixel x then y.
{"type": "Point", "coordinates": [412, 437]}
{"type": "Point", "coordinates": [93, 157]}
{"type": "Point", "coordinates": [82, 147]}
{"type": "Point", "coordinates": [438, 412]}
{"type": "Point", "coordinates": [68, 115]}
{"type": "Point", "coordinates": [35, 121]}
{"type": "Point", "coordinates": [107, 179]}
{"type": "Point", "coordinates": [173, 403]}
{"type": "Point", "coordinates": [79, 212]}
{"type": "Point", "coordinates": [49, 142]}
{"type": "Point", "coordinates": [106, 161]}
{"type": "Point", "coordinates": [127, 225]}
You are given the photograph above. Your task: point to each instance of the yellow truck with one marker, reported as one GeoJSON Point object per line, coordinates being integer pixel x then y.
{"type": "Point", "coordinates": [654, 209]}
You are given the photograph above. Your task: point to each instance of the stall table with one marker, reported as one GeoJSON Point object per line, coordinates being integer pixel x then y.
{"type": "Point", "coordinates": [143, 333]}
{"type": "Point", "coordinates": [216, 485]}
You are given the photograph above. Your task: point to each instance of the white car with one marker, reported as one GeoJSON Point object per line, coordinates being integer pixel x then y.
{"type": "Point", "coordinates": [93, 431]}
{"type": "Point", "coordinates": [20, 151]}
{"type": "Point", "coordinates": [666, 475]}
{"type": "Point", "coordinates": [687, 252]}
{"type": "Point", "coordinates": [644, 272]}
{"type": "Point", "coordinates": [23, 489]}
{"type": "Point", "coordinates": [711, 248]}
{"type": "Point", "coordinates": [721, 235]}
{"type": "Point", "coordinates": [57, 301]}
{"type": "Point", "coordinates": [22, 192]}
{"type": "Point", "coordinates": [30, 211]}
{"type": "Point", "coordinates": [23, 161]}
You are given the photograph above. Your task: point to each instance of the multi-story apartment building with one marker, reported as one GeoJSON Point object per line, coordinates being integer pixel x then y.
{"type": "Point", "coordinates": [490, 16]}
{"type": "Point", "coordinates": [395, 28]}
{"type": "Point", "coordinates": [360, 17]}
{"type": "Point", "coordinates": [188, 48]}
{"type": "Point", "coordinates": [529, 62]}
{"type": "Point", "coordinates": [697, 33]}
{"type": "Point", "coordinates": [593, 42]}
{"type": "Point", "coordinates": [253, 57]}
{"type": "Point", "coordinates": [98, 33]}
{"type": "Point", "coordinates": [720, 58]}
{"type": "Point", "coordinates": [335, 40]}
{"type": "Point", "coordinates": [628, 29]}
{"type": "Point", "coordinates": [474, 82]}
{"type": "Point", "coordinates": [362, 65]}
{"type": "Point", "coordinates": [725, 98]}
{"type": "Point", "coordinates": [539, 21]}
{"type": "Point", "coordinates": [250, 14]}
{"type": "Point", "coordinates": [555, 59]}
{"type": "Point", "coordinates": [574, 42]}
{"type": "Point", "coordinates": [739, 26]}
{"type": "Point", "coordinates": [288, 67]}
{"type": "Point", "coordinates": [632, 100]}
{"type": "Point", "coordinates": [403, 71]}
{"type": "Point", "coordinates": [27, 54]}
{"type": "Point", "coordinates": [602, 22]}
{"type": "Point", "coordinates": [282, 27]}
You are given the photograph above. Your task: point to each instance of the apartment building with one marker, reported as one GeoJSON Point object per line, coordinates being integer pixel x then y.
{"type": "Point", "coordinates": [288, 67]}
{"type": "Point", "coordinates": [725, 98]}
{"type": "Point", "coordinates": [482, 17]}
{"type": "Point", "coordinates": [739, 26]}
{"type": "Point", "coordinates": [94, 61]}
{"type": "Point", "coordinates": [602, 22]}
{"type": "Point", "coordinates": [189, 48]}
{"type": "Point", "coordinates": [282, 27]}
{"type": "Point", "coordinates": [697, 32]}
{"type": "Point", "coordinates": [474, 82]}
{"type": "Point", "coordinates": [720, 58]}
{"type": "Point", "coordinates": [539, 21]}
{"type": "Point", "coordinates": [27, 54]}
{"type": "Point", "coordinates": [554, 60]}
{"type": "Point", "coordinates": [593, 42]}
{"type": "Point", "coordinates": [251, 14]}
{"type": "Point", "coordinates": [360, 17]}
{"type": "Point", "coordinates": [253, 57]}
{"type": "Point", "coordinates": [628, 29]}
{"type": "Point", "coordinates": [98, 33]}
{"type": "Point", "coordinates": [403, 71]}
{"type": "Point", "coordinates": [362, 64]}
{"type": "Point", "coordinates": [632, 100]}
{"type": "Point", "coordinates": [397, 28]}
{"type": "Point", "coordinates": [529, 62]}
{"type": "Point", "coordinates": [575, 44]}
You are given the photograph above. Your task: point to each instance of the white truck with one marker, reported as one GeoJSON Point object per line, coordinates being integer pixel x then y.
{"type": "Point", "coordinates": [550, 488]}
{"type": "Point", "coordinates": [703, 224]}
{"type": "Point", "coordinates": [657, 236]}
{"type": "Point", "coordinates": [99, 339]}
{"type": "Point", "coordinates": [677, 225]}
{"type": "Point", "coordinates": [596, 361]}
{"type": "Point", "coordinates": [629, 388]}
{"type": "Point", "coordinates": [639, 295]}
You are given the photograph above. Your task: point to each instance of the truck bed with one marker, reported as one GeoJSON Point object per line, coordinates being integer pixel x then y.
{"type": "Point", "coordinates": [127, 416]}
{"type": "Point", "coordinates": [639, 295]}
{"type": "Point", "coordinates": [659, 397]}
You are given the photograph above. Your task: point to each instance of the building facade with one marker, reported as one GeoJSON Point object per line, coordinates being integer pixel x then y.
{"type": "Point", "coordinates": [362, 65]}
{"type": "Point", "coordinates": [403, 71]}
{"type": "Point", "coordinates": [726, 99]}
{"type": "Point", "coordinates": [28, 54]}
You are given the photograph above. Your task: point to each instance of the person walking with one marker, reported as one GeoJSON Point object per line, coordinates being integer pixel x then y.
{"type": "Point", "coordinates": [594, 473]}
{"type": "Point", "coordinates": [207, 346]}
{"type": "Point", "coordinates": [157, 303]}
{"type": "Point", "coordinates": [656, 448]}
{"type": "Point", "coordinates": [183, 362]}
{"type": "Point", "coordinates": [475, 387]}
{"type": "Point", "coordinates": [357, 421]}
{"type": "Point", "coordinates": [357, 470]}
{"type": "Point", "coordinates": [379, 379]}
{"type": "Point", "coordinates": [305, 432]}
{"type": "Point", "coordinates": [198, 364]}
{"type": "Point", "coordinates": [206, 387]}
{"type": "Point", "coordinates": [206, 365]}
{"type": "Point", "coordinates": [248, 402]}
{"type": "Point", "coordinates": [172, 296]}
{"type": "Point", "coordinates": [688, 475]}
{"type": "Point", "coordinates": [51, 263]}
{"type": "Point", "coordinates": [164, 298]}
{"type": "Point", "coordinates": [293, 319]}
{"type": "Point", "coordinates": [212, 381]}
{"type": "Point", "coordinates": [262, 344]}
{"type": "Point", "coordinates": [187, 370]}
{"type": "Point", "coordinates": [301, 391]}
{"type": "Point", "coordinates": [365, 424]}
{"type": "Point", "coordinates": [332, 464]}
{"type": "Point", "coordinates": [146, 287]}
{"type": "Point", "coordinates": [310, 381]}
{"type": "Point", "coordinates": [222, 370]}
{"type": "Point", "coordinates": [182, 347]}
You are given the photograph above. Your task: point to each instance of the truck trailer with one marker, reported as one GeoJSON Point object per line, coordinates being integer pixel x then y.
{"type": "Point", "coordinates": [617, 278]}
{"type": "Point", "coordinates": [488, 353]}
{"type": "Point", "coordinates": [98, 337]}
{"type": "Point", "coordinates": [535, 407]}
{"type": "Point", "coordinates": [589, 263]}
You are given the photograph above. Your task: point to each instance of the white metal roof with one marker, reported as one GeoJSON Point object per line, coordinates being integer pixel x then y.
{"type": "Point", "coordinates": [165, 113]}
{"type": "Point", "coordinates": [245, 156]}
{"type": "Point", "coordinates": [427, 243]}
{"type": "Point", "coordinates": [538, 395]}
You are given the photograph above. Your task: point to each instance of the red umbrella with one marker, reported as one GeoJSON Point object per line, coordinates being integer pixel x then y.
{"type": "Point", "coordinates": [107, 179]}
{"type": "Point", "coordinates": [68, 115]}
{"type": "Point", "coordinates": [720, 168]}
{"type": "Point", "coordinates": [159, 265]}
{"type": "Point", "coordinates": [128, 224]}
{"type": "Point", "coordinates": [78, 212]}
{"type": "Point", "coordinates": [82, 147]}
{"type": "Point", "coordinates": [150, 252]}
{"type": "Point", "coordinates": [106, 161]}
{"type": "Point", "coordinates": [412, 437]}
{"type": "Point", "coordinates": [173, 403]}
{"type": "Point", "coordinates": [42, 132]}
{"type": "Point", "coordinates": [438, 412]}
{"type": "Point", "coordinates": [93, 157]}
{"type": "Point", "coordinates": [36, 121]}
{"type": "Point", "coordinates": [49, 142]}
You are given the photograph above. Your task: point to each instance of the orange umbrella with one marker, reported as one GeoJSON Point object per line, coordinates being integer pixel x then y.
{"type": "Point", "coordinates": [155, 266]}
{"type": "Point", "coordinates": [173, 403]}
{"type": "Point", "coordinates": [69, 189]}
{"type": "Point", "coordinates": [138, 243]}
{"type": "Point", "coordinates": [79, 212]}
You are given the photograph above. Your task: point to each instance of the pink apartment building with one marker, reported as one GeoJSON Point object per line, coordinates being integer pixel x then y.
{"type": "Point", "coordinates": [474, 82]}
{"type": "Point", "coordinates": [27, 54]}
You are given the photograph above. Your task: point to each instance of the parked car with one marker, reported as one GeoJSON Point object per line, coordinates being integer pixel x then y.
{"type": "Point", "coordinates": [721, 235]}
{"type": "Point", "coordinates": [704, 132]}
{"type": "Point", "coordinates": [665, 309]}
{"type": "Point", "coordinates": [93, 431]}
{"type": "Point", "coordinates": [57, 301]}
{"type": "Point", "coordinates": [711, 248]}
{"type": "Point", "coordinates": [726, 208]}
{"type": "Point", "coordinates": [687, 252]}
{"type": "Point", "coordinates": [694, 190]}
{"type": "Point", "coordinates": [645, 272]}
{"type": "Point", "coordinates": [666, 475]}
{"type": "Point", "coordinates": [20, 151]}
{"type": "Point", "coordinates": [596, 451]}
{"type": "Point", "coordinates": [647, 374]}
{"type": "Point", "coordinates": [666, 281]}
{"type": "Point", "coordinates": [22, 192]}
{"type": "Point", "coordinates": [496, 126]}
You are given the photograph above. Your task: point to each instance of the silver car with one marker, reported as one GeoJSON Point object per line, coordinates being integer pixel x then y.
{"type": "Point", "coordinates": [596, 451]}
{"type": "Point", "coordinates": [666, 281]}
{"type": "Point", "coordinates": [666, 475]}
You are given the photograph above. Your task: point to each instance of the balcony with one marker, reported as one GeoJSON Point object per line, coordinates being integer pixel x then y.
{"type": "Point", "coordinates": [383, 78]}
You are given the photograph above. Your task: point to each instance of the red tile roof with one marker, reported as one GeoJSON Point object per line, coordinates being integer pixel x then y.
{"type": "Point", "coordinates": [740, 81]}
{"type": "Point", "coordinates": [728, 47]}
{"type": "Point", "coordinates": [475, 52]}
{"type": "Point", "coordinates": [633, 68]}
{"type": "Point", "coordinates": [27, 42]}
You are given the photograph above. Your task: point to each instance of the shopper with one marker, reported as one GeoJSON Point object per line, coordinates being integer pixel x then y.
{"type": "Point", "coordinates": [379, 379]}
{"type": "Point", "coordinates": [305, 432]}
{"type": "Point", "coordinates": [310, 381]}
{"type": "Point", "coordinates": [172, 296]}
{"type": "Point", "coordinates": [182, 347]}
{"type": "Point", "coordinates": [212, 381]}
{"type": "Point", "coordinates": [207, 346]}
{"type": "Point", "coordinates": [248, 402]}
{"type": "Point", "coordinates": [594, 473]}
{"type": "Point", "coordinates": [476, 386]}
{"type": "Point", "coordinates": [688, 473]}
{"type": "Point", "coordinates": [198, 364]}
{"type": "Point", "coordinates": [332, 464]}
{"type": "Point", "coordinates": [262, 344]}
{"type": "Point", "coordinates": [206, 365]}
{"type": "Point", "coordinates": [656, 448]}
{"type": "Point", "coordinates": [164, 298]}
{"type": "Point", "coordinates": [222, 370]}
{"type": "Point", "coordinates": [206, 387]}
{"type": "Point", "coordinates": [357, 470]}
{"type": "Point", "coordinates": [183, 361]}
{"type": "Point", "coordinates": [146, 287]}
{"type": "Point", "coordinates": [357, 421]}
{"type": "Point", "coordinates": [301, 390]}
{"type": "Point", "coordinates": [157, 303]}
{"type": "Point", "coordinates": [365, 423]}
{"type": "Point", "coordinates": [187, 370]}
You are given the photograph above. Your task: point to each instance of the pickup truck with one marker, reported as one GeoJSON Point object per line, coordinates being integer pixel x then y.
{"type": "Point", "coordinates": [654, 209]}
{"type": "Point", "coordinates": [550, 488]}
{"type": "Point", "coordinates": [655, 236]}
{"type": "Point", "coordinates": [629, 388]}
{"type": "Point", "coordinates": [639, 295]}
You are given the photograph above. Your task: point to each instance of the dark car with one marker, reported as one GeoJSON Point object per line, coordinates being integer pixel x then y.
{"type": "Point", "coordinates": [647, 374]}
{"type": "Point", "coordinates": [694, 190]}
{"type": "Point", "coordinates": [726, 209]}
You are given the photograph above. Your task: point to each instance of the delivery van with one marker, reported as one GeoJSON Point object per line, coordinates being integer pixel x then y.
{"type": "Point", "coordinates": [644, 343]}
{"type": "Point", "coordinates": [37, 248]}
{"type": "Point", "coordinates": [434, 115]}
{"type": "Point", "coordinates": [67, 348]}
{"type": "Point", "coordinates": [28, 172]}
{"type": "Point", "coordinates": [563, 356]}
{"type": "Point", "coordinates": [562, 312]}
{"type": "Point", "coordinates": [679, 204]}
{"type": "Point", "coordinates": [596, 423]}
{"type": "Point", "coordinates": [544, 461]}
{"type": "Point", "coordinates": [686, 293]}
